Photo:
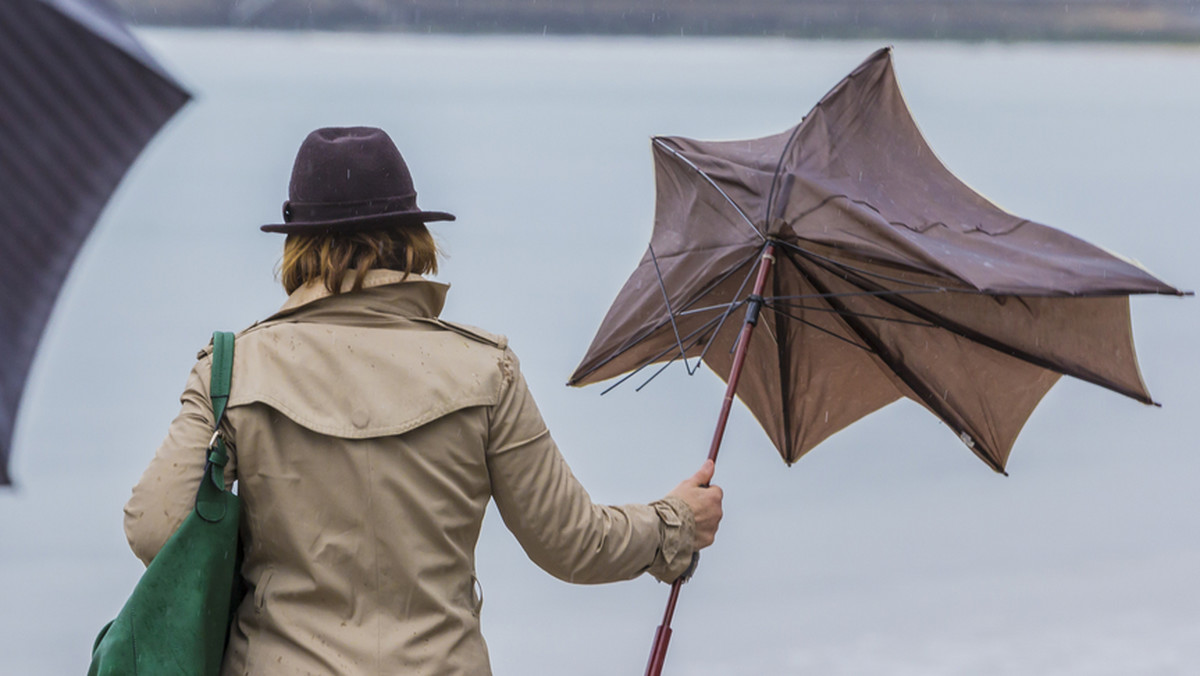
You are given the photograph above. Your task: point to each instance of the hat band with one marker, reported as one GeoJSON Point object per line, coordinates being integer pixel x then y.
{"type": "Point", "coordinates": [323, 211]}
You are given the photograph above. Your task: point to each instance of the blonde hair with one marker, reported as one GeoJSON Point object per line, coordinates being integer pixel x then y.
{"type": "Point", "coordinates": [329, 257]}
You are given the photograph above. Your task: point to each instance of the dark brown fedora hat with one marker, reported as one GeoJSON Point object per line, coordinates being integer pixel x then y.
{"type": "Point", "coordinates": [348, 179]}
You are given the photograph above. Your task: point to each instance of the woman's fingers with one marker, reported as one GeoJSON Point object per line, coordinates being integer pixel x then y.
{"type": "Point", "coordinates": [705, 502]}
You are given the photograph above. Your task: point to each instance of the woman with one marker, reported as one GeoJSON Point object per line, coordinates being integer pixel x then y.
{"type": "Point", "coordinates": [367, 437]}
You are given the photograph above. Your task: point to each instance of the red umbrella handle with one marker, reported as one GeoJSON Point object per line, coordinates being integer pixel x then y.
{"type": "Point", "coordinates": [662, 636]}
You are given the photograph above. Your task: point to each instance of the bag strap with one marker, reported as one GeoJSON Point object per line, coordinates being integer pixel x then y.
{"type": "Point", "coordinates": [210, 502]}
{"type": "Point", "coordinates": [222, 374]}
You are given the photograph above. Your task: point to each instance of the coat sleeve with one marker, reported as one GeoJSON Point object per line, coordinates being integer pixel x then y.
{"type": "Point", "coordinates": [554, 519]}
{"type": "Point", "coordinates": [166, 493]}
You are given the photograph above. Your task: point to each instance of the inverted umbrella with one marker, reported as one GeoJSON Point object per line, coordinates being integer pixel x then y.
{"type": "Point", "coordinates": [80, 99]}
{"type": "Point", "coordinates": [873, 274]}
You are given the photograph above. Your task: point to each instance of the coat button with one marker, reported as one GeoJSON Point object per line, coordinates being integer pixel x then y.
{"type": "Point", "coordinates": [360, 417]}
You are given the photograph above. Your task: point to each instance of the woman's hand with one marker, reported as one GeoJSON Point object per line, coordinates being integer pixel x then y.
{"type": "Point", "coordinates": [705, 502]}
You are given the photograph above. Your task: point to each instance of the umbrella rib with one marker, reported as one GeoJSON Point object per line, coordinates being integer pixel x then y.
{"type": "Point", "coordinates": [901, 303]}
{"type": "Point", "coordinates": [729, 310]}
{"type": "Point", "coordinates": [845, 266]}
{"type": "Point", "coordinates": [670, 313]}
{"type": "Point", "coordinates": [898, 224]}
{"type": "Point", "coordinates": [862, 315]}
{"type": "Point", "coordinates": [708, 179]}
{"type": "Point", "coordinates": [672, 361]}
{"type": "Point", "coordinates": [820, 328]}
{"type": "Point", "coordinates": [716, 282]}
{"type": "Point", "coordinates": [784, 361]}
{"type": "Point", "coordinates": [630, 343]}
{"type": "Point", "coordinates": [946, 289]}
{"type": "Point", "coordinates": [904, 373]}
{"type": "Point", "coordinates": [724, 276]}
{"type": "Point", "coordinates": [656, 374]}
{"type": "Point", "coordinates": [704, 327]}
{"type": "Point", "coordinates": [850, 294]}
{"type": "Point", "coordinates": [706, 308]}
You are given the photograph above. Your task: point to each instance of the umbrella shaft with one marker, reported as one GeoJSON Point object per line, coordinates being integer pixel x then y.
{"type": "Point", "coordinates": [743, 344]}
{"type": "Point", "coordinates": [662, 636]}
{"type": "Point", "coordinates": [727, 404]}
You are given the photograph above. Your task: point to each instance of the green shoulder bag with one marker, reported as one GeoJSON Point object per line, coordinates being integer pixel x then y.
{"type": "Point", "coordinates": [177, 619]}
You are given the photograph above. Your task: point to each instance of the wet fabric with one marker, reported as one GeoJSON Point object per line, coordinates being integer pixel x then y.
{"type": "Point", "coordinates": [369, 436]}
{"type": "Point", "coordinates": [892, 279]}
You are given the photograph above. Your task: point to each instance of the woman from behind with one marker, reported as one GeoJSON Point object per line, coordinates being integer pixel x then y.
{"type": "Point", "coordinates": [367, 437]}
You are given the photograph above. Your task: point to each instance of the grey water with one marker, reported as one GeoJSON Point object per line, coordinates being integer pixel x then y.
{"type": "Point", "coordinates": [890, 549]}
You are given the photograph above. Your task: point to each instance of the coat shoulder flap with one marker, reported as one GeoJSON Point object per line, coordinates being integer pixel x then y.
{"type": "Point", "coordinates": [360, 382]}
{"type": "Point", "coordinates": [466, 330]}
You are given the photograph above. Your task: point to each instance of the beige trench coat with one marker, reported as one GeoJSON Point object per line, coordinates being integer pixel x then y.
{"type": "Point", "coordinates": [367, 439]}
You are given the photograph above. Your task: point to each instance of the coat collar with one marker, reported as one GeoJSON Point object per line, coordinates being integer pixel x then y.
{"type": "Point", "coordinates": [412, 296]}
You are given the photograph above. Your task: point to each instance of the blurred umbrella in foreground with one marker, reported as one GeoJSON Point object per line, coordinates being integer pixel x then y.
{"type": "Point", "coordinates": [873, 274]}
{"type": "Point", "coordinates": [79, 99]}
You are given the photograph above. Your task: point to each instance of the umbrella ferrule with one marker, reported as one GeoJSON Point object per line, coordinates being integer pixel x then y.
{"type": "Point", "coordinates": [754, 305]}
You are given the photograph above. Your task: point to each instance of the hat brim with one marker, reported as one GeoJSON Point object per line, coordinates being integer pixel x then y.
{"type": "Point", "coordinates": [383, 221]}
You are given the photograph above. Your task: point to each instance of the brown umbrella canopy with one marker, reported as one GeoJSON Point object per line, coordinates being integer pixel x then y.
{"type": "Point", "coordinates": [892, 279]}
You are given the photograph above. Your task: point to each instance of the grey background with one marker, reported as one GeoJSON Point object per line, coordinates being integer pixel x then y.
{"type": "Point", "coordinates": [890, 549]}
